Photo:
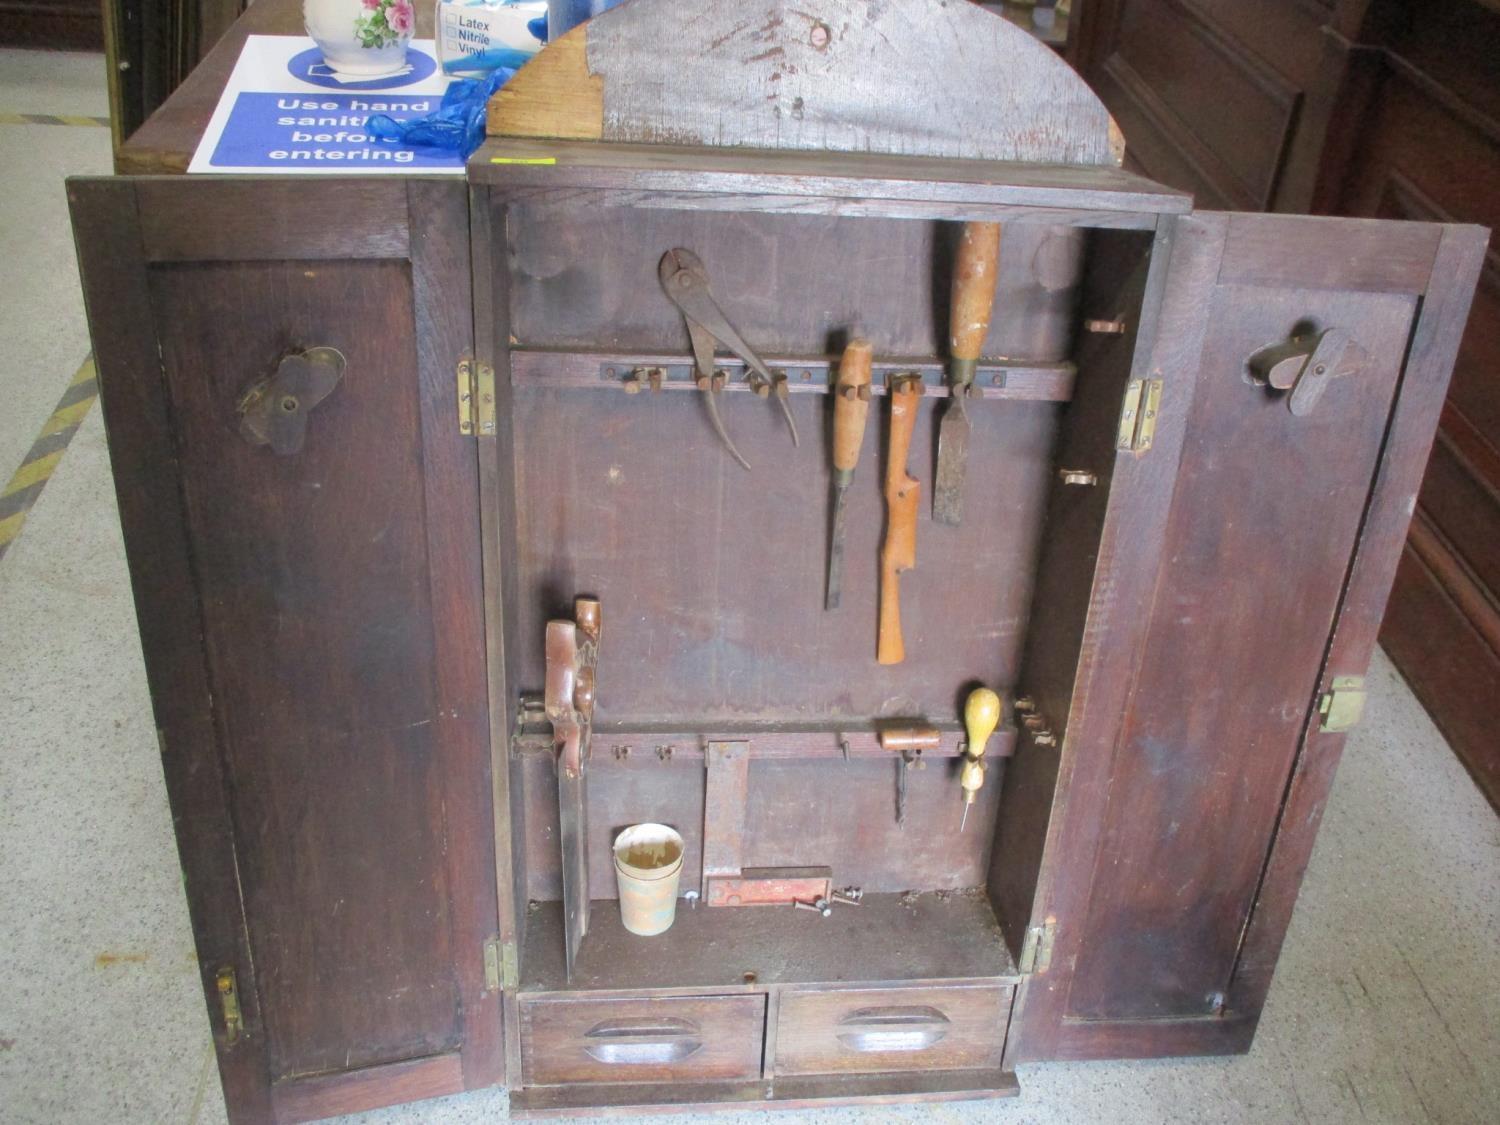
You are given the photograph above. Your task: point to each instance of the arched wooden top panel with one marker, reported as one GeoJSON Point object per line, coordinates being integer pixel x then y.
{"type": "Point", "coordinates": [941, 78]}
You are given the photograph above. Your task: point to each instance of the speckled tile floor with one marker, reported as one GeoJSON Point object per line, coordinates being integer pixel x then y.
{"type": "Point", "coordinates": [1385, 1008]}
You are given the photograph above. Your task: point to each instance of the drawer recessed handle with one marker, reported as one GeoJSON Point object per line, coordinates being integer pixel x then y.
{"type": "Point", "coordinates": [909, 1028]}
{"type": "Point", "coordinates": [273, 411]}
{"type": "Point", "coordinates": [643, 1041]}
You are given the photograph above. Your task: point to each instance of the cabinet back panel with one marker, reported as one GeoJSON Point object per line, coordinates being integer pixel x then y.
{"type": "Point", "coordinates": [321, 654]}
{"type": "Point", "coordinates": [797, 814]}
{"type": "Point", "coordinates": [712, 578]}
{"type": "Point", "coordinates": [586, 277]}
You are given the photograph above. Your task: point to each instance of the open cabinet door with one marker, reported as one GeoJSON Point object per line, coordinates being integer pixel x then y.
{"type": "Point", "coordinates": [277, 363]}
{"type": "Point", "coordinates": [1239, 581]}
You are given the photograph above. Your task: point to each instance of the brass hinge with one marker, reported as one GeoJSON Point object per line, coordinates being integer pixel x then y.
{"type": "Point", "coordinates": [1036, 951]}
{"type": "Point", "coordinates": [229, 1002]}
{"type": "Point", "coordinates": [499, 965]}
{"type": "Point", "coordinates": [476, 398]}
{"type": "Point", "coordinates": [1342, 707]}
{"type": "Point", "coordinates": [1138, 415]}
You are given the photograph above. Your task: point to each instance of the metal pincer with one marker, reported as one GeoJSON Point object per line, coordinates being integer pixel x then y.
{"type": "Point", "coordinates": [685, 282]}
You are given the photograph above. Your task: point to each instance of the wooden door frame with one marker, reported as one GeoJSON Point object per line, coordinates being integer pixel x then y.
{"type": "Point", "coordinates": [425, 223]}
{"type": "Point", "coordinates": [1204, 252]}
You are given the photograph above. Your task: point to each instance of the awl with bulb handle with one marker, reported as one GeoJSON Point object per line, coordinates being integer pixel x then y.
{"type": "Point", "coordinates": [851, 405]}
{"type": "Point", "coordinates": [981, 717]}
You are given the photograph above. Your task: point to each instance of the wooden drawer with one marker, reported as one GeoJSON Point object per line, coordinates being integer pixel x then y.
{"type": "Point", "coordinates": [646, 1039]}
{"type": "Point", "coordinates": [866, 1030]}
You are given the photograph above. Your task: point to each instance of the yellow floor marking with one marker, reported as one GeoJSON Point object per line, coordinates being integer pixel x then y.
{"type": "Point", "coordinates": [10, 527]}
{"type": "Point", "coordinates": [67, 417]}
{"type": "Point", "coordinates": [33, 471]}
{"type": "Point", "coordinates": [85, 373]}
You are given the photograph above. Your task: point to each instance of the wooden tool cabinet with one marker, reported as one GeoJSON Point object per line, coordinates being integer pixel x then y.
{"type": "Point", "coordinates": [1180, 577]}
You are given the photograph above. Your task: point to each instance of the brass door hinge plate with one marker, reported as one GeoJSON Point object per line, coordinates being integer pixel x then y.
{"type": "Point", "coordinates": [1036, 951]}
{"type": "Point", "coordinates": [500, 970]}
{"type": "Point", "coordinates": [1138, 415]}
{"type": "Point", "coordinates": [229, 1005]}
{"type": "Point", "coordinates": [1342, 707]}
{"type": "Point", "coordinates": [476, 398]}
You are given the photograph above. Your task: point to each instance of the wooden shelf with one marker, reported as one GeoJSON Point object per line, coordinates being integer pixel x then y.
{"type": "Point", "coordinates": [928, 936]}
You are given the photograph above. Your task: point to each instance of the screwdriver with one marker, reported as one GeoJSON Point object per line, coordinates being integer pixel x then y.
{"type": "Point", "coordinates": [851, 404]}
{"type": "Point", "coordinates": [981, 717]}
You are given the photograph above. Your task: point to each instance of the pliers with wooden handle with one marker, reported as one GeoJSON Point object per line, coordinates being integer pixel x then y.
{"type": "Point", "coordinates": [685, 282]}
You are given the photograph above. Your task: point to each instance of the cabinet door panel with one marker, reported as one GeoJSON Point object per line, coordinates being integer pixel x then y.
{"type": "Point", "coordinates": [325, 633]}
{"type": "Point", "coordinates": [1193, 768]}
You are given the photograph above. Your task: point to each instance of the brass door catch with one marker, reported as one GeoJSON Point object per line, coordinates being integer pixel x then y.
{"type": "Point", "coordinates": [273, 411]}
{"type": "Point", "coordinates": [1306, 364]}
{"type": "Point", "coordinates": [1342, 707]}
{"type": "Point", "coordinates": [229, 1004]}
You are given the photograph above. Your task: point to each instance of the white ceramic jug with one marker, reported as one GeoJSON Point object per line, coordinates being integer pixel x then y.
{"type": "Point", "coordinates": [364, 38]}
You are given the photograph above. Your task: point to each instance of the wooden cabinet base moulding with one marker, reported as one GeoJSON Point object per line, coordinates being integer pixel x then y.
{"type": "Point", "coordinates": [438, 592]}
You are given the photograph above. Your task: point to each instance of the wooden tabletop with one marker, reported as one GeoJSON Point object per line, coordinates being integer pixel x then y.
{"type": "Point", "coordinates": [170, 136]}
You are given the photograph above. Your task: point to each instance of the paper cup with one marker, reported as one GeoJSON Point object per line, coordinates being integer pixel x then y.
{"type": "Point", "coordinates": [648, 866]}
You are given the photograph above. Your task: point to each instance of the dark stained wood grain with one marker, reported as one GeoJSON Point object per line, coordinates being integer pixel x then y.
{"type": "Point", "coordinates": [1201, 979]}
{"type": "Point", "coordinates": [320, 713]}
{"type": "Point", "coordinates": [1367, 255]}
{"type": "Point", "coordinates": [585, 279]}
{"type": "Point", "coordinates": [706, 179]}
{"type": "Point", "coordinates": [1429, 149]}
{"type": "Point", "coordinates": [246, 219]}
{"type": "Point", "coordinates": [780, 1093]}
{"type": "Point", "coordinates": [497, 522]}
{"type": "Point", "coordinates": [830, 1031]}
{"type": "Point", "coordinates": [1449, 665]}
{"type": "Point", "coordinates": [814, 813]}
{"type": "Point", "coordinates": [1174, 887]}
{"type": "Point", "coordinates": [705, 1038]}
{"type": "Point", "coordinates": [1078, 668]}
{"type": "Point", "coordinates": [1230, 101]}
{"type": "Point", "coordinates": [1119, 283]}
{"type": "Point", "coordinates": [332, 1095]}
{"type": "Point", "coordinates": [169, 613]}
{"type": "Point", "coordinates": [442, 303]}
{"type": "Point", "coordinates": [918, 938]}
{"type": "Point", "coordinates": [1432, 348]}
{"type": "Point", "coordinates": [357, 947]}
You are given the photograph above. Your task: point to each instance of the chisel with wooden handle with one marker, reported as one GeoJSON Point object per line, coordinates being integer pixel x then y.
{"type": "Point", "coordinates": [974, 275]}
{"type": "Point", "coordinates": [851, 403]}
{"type": "Point", "coordinates": [902, 497]}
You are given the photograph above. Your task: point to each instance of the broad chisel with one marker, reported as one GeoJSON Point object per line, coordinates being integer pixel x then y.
{"type": "Point", "coordinates": [974, 276]}
{"type": "Point", "coordinates": [902, 497]}
{"type": "Point", "coordinates": [851, 404]}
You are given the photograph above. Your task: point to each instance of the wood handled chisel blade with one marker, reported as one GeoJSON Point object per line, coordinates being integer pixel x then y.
{"type": "Point", "coordinates": [851, 407]}
{"type": "Point", "coordinates": [974, 275]}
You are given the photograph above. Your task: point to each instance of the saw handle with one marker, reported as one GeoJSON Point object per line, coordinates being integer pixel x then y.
{"type": "Point", "coordinates": [902, 496]}
{"type": "Point", "coordinates": [851, 404]}
{"type": "Point", "coordinates": [974, 275]}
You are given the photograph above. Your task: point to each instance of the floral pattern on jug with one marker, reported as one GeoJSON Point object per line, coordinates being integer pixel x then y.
{"type": "Point", "coordinates": [366, 38]}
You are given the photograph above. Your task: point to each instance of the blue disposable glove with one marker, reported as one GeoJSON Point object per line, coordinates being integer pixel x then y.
{"type": "Point", "coordinates": [458, 124]}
